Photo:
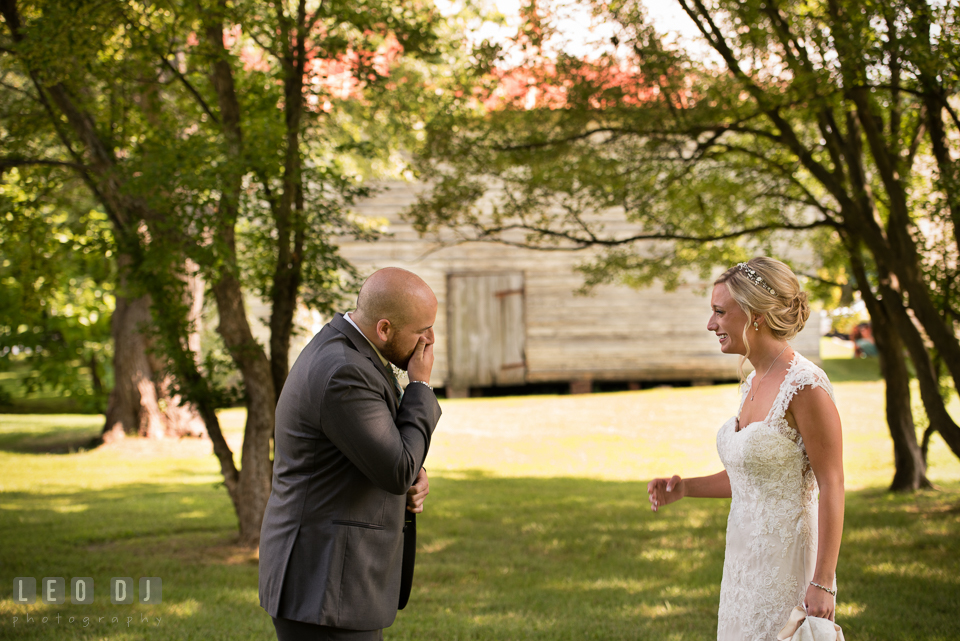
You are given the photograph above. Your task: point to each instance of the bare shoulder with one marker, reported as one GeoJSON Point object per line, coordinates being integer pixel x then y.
{"type": "Point", "coordinates": [810, 398]}
{"type": "Point", "coordinates": [813, 405]}
{"type": "Point", "coordinates": [814, 415]}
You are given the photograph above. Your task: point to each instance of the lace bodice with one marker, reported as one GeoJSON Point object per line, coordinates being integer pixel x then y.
{"type": "Point", "coordinates": [772, 528]}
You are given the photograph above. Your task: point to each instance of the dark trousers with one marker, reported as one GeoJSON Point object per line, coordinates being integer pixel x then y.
{"type": "Point", "coordinates": [289, 630]}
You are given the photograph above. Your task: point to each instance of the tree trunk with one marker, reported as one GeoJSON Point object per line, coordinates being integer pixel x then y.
{"type": "Point", "coordinates": [289, 211]}
{"type": "Point", "coordinates": [180, 418]}
{"type": "Point", "coordinates": [897, 249]}
{"type": "Point", "coordinates": [256, 468]}
{"type": "Point", "coordinates": [97, 166]}
{"type": "Point", "coordinates": [142, 402]}
{"type": "Point", "coordinates": [252, 489]}
{"type": "Point", "coordinates": [133, 407]}
{"type": "Point", "coordinates": [910, 466]}
{"type": "Point", "coordinates": [891, 315]}
{"type": "Point", "coordinates": [933, 401]}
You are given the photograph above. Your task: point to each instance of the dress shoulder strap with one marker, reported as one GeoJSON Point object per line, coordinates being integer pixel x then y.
{"type": "Point", "coordinates": [802, 373]}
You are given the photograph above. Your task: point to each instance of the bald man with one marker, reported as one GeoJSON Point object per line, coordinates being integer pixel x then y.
{"type": "Point", "coordinates": [336, 546]}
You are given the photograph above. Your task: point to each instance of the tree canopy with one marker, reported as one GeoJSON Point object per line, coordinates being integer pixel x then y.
{"type": "Point", "coordinates": [825, 123]}
{"type": "Point", "coordinates": [223, 141]}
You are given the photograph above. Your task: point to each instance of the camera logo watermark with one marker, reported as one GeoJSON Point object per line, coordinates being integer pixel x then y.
{"type": "Point", "coordinates": [53, 591]}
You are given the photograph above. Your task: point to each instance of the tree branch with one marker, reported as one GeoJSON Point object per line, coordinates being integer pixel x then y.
{"type": "Point", "coordinates": [490, 233]}
{"type": "Point", "coordinates": [270, 50]}
{"type": "Point", "coordinates": [915, 141]}
{"type": "Point", "coordinates": [18, 90]}
{"type": "Point", "coordinates": [700, 15]}
{"type": "Point", "coordinates": [691, 132]}
{"type": "Point", "coordinates": [11, 15]}
{"type": "Point", "coordinates": [193, 91]}
{"type": "Point", "coordinates": [919, 94]}
{"type": "Point", "coordinates": [560, 141]}
{"type": "Point", "coordinates": [172, 67]}
{"type": "Point", "coordinates": [790, 176]}
{"type": "Point", "coordinates": [824, 281]}
{"type": "Point", "coordinates": [13, 161]}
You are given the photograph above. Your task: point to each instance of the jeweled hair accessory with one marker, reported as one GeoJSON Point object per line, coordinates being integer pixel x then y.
{"type": "Point", "coordinates": [755, 277]}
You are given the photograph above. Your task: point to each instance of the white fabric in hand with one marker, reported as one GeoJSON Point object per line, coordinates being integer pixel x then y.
{"type": "Point", "coordinates": [800, 627]}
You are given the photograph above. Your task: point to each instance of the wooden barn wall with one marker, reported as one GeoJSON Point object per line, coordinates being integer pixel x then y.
{"type": "Point", "coordinates": [615, 334]}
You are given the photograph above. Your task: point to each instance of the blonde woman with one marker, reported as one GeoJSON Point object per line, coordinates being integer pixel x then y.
{"type": "Point", "coordinates": [782, 456]}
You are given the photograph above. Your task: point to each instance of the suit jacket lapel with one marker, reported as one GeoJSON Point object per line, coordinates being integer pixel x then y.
{"type": "Point", "coordinates": [343, 326]}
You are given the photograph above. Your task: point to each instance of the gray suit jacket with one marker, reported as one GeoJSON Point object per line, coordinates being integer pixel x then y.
{"type": "Point", "coordinates": [346, 453]}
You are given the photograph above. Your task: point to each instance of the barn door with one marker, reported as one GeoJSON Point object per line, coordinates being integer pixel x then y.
{"type": "Point", "coordinates": [486, 329]}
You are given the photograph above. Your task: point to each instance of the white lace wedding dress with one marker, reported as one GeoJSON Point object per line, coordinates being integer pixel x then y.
{"type": "Point", "coordinates": [772, 528]}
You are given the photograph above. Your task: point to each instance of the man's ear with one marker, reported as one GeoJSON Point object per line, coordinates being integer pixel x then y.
{"type": "Point", "coordinates": [384, 329]}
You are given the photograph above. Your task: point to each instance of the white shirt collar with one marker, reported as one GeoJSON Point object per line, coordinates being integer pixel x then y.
{"type": "Point", "coordinates": [385, 362]}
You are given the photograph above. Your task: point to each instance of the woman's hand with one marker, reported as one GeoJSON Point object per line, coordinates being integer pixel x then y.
{"type": "Point", "coordinates": [820, 603]}
{"type": "Point", "coordinates": [665, 491]}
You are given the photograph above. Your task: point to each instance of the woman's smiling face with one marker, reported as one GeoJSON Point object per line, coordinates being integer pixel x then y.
{"type": "Point", "coordinates": [727, 321]}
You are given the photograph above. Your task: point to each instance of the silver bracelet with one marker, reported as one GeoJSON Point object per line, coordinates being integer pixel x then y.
{"type": "Point", "coordinates": [825, 589]}
{"type": "Point", "coordinates": [422, 383]}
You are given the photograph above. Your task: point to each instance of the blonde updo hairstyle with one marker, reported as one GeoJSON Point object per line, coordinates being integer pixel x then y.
{"type": "Point", "coordinates": [785, 312]}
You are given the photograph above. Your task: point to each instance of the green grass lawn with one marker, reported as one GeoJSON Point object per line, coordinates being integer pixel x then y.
{"type": "Point", "coordinates": [536, 527]}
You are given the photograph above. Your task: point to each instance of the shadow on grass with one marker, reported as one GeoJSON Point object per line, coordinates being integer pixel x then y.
{"type": "Point", "coordinates": [48, 434]}
{"type": "Point", "coordinates": [183, 533]}
{"type": "Point", "coordinates": [47, 406]}
{"type": "Point", "coordinates": [498, 559]}
{"type": "Point", "coordinates": [569, 558]}
{"type": "Point", "coordinates": [66, 443]}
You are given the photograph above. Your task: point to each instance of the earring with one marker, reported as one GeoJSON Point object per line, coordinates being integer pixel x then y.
{"type": "Point", "coordinates": [756, 327]}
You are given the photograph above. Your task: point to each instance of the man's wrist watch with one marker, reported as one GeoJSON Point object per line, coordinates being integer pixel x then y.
{"type": "Point", "coordinates": [422, 383]}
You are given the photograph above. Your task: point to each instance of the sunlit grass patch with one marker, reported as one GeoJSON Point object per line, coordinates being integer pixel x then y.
{"type": "Point", "coordinates": [637, 435]}
{"type": "Point", "coordinates": [536, 527]}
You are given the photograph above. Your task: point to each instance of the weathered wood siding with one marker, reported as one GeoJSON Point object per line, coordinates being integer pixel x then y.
{"type": "Point", "coordinates": [485, 329]}
{"type": "Point", "coordinates": [615, 334]}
